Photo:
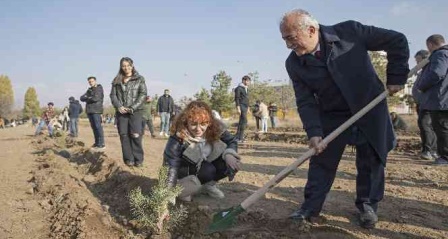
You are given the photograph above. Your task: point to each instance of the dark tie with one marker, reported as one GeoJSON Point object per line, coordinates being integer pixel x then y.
{"type": "Point", "coordinates": [317, 54]}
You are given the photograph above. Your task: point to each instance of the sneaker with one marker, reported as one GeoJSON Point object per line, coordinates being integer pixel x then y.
{"type": "Point", "coordinates": [435, 155]}
{"type": "Point", "coordinates": [368, 218]}
{"type": "Point", "coordinates": [100, 147]}
{"type": "Point", "coordinates": [129, 163]}
{"type": "Point", "coordinates": [138, 165]}
{"type": "Point", "coordinates": [166, 135]}
{"type": "Point", "coordinates": [440, 161]}
{"type": "Point", "coordinates": [212, 190]}
{"type": "Point", "coordinates": [161, 133]}
{"type": "Point", "coordinates": [426, 156]}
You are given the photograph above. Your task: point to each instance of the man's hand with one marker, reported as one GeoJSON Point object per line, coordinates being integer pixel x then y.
{"type": "Point", "coordinates": [122, 110]}
{"type": "Point", "coordinates": [316, 143]}
{"type": "Point", "coordinates": [233, 162]}
{"type": "Point", "coordinates": [238, 109]}
{"type": "Point", "coordinates": [394, 88]}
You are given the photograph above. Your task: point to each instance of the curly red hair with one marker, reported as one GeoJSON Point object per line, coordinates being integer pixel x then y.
{"type": "Point", "coordinates": [198, 112]}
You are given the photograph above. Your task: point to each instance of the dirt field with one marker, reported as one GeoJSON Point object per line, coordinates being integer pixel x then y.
{"type": "Point", "coordinates": [57, 188]}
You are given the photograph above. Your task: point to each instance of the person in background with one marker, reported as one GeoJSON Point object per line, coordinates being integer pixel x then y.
{"type": "Point", "coordinates": [128, 95]}
{"type": "Point", "coordinates": [242, 106]}
{"type": "Point", "coordinates": [74, 110]}
{"type": "Point", "coordinates": [433, 83]}
{"type": "Point", "coordinates": [147, 116]}
{"type": "Point", "coordinates": [427, 134]}
{"type": "Point", "coordinates": [46, 117]}
{"type": "Point", "coordinates": [165, 108]}
{"type": "Point", "coordinates": [273, 114]}
{"type": "Point", "coordinates": [94, 98]}
{"type": "Point", "coordinates": [398, 122]}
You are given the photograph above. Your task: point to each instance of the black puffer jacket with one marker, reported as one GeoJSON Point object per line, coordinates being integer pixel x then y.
{"type": "Point", "coordinates": [132, 96]}
{"type": "Point", "coordinates": [175, 158]}
{"type": "Point", "coordinates": [94, 99]}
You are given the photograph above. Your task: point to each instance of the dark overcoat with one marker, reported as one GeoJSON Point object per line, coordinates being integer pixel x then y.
{"type": "Point", "coordinates": [350, 67]}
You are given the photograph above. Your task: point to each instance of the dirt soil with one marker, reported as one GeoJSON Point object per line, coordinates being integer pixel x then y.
{"type": "Point", "coordinates": [59, 188]}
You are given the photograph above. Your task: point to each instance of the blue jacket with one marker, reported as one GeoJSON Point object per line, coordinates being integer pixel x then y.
{"type": "Point", "coordinates": [433, 81]}
{"type": "Point", "coordinates": [350, 68]}
{"type": "Point", "coordinates": [74, 109]}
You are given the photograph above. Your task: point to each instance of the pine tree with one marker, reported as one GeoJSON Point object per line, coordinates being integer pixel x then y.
{"type": "Point", "coordinates": [203, 95]}
{"type": "Point", "coordinates": [31, 106]}
{"type": "Point", "coordinates": [6, 96]}
{"type": "Point", "coordinates": [221, 97]}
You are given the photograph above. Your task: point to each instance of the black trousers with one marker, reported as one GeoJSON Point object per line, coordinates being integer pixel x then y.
{"type": "Point", "coordinates": [242, 122]}
{"type": "Point", "coordinates": [427, 134]}
{"type": "Point", "coordinates": [130, 131]}
{"type": "Point", "coordinates": [322, 172]}
{"type": "Point", "coordinates": [213, 171]}
{"type": "Point", "coordinates": [440, 126]}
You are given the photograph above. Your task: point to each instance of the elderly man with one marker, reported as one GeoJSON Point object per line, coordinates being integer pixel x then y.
{"type": "Point", "coordinates": [433, 82]}
{"type": "Point", "coordinates": [333, 78]}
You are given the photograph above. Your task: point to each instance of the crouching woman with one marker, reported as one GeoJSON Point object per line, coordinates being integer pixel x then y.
{"type": "Point", "coordinates": [200, 152]}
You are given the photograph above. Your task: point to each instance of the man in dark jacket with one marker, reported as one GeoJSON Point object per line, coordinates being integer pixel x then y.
{"type": "Point", "coordinates": [242, 106]}
{"type": "Point", "coordinates": [333, 78]}
{"type": "Point", "coordinates": [94, 108]}
{"type": "Point", "coordinates": [427, 134]}
{"type": "Point", "coordinates": [74, 110]}
{"type": "Point", "coordinates": [433, 84]}
{"type": "Point", "coordinates": [165, 108]}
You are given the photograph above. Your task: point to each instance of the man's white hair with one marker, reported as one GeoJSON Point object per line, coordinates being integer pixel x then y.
{"type": "Point", "coordinates": [304, 19]}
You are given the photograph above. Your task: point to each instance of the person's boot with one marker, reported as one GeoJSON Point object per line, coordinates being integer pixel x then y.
{"type": "Point", "coordinates": [212, 190]}
{"type": "Point", "coordinates": [368, 217]}
{"type": "Point", "coordinates": [190, 186]}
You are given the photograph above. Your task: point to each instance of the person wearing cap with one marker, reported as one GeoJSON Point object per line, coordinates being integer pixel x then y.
{"type": "Point", "coordinates": [74, 110]}
{"type": "Point", "coordinates": [147, 116]}
{"type": "Point", "coordinates": [94, 98]}
{"type": "Point", "coordinates": [46, 117]}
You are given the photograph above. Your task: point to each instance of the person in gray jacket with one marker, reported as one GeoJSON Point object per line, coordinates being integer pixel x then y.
{"type": "Point", "coordinates": [128, 95]}
{"type": "Point", "coordinates": [433, 84]}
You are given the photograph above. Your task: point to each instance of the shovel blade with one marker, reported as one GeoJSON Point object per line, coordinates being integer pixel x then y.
{"type": "Point", "coordinates": [224, 219]}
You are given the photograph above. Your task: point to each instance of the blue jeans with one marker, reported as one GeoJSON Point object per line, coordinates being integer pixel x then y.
{"type": "Point", "coordinates": [273, 121]}
{"type": "Point", "coordinates": [95, 123]}
{"type": "Point", "coordinates": [42, 124]}
{"type": "Point", "coordinates": [165, 122]}
{"type": "Point", "coordinates": [264, 124]}
{"type": "Point", "coordinates": [74, 127]}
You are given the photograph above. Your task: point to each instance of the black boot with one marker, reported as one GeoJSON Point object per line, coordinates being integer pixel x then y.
{"type": "Point", "coordinates": [368, 217]}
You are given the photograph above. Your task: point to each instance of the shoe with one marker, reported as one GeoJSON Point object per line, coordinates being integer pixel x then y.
{"type": "Point", "coordinates": [166, 135]}
{"type": "Point", "coordinates": [301, 215]}
{"type": "Point", "coordinates": [153, 135]}
{"type": "Point", "coordinates": [161, 133]}
{"type": "Point", "coordinates": [129, 163]}
{"type": "Point", "coordinates": [368, 218]}
{"type": "Point", "coordinates": [426, 156]}
{"type": "Point", "coordinates": [138, 165]}
{"type": "Point", "coordinates": [435, 155]}
{"type": "Point", "coordinates": [440, 161]}
{"type": "Point", "coordinates": [94, 146]}
{"type": "Point", "coordinates": [212, 190]}
{"type": "Point", "coordinates": [100, 147]}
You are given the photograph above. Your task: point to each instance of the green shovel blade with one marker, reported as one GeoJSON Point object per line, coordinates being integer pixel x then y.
{"type": "Point", "coordinates": [224, 219]}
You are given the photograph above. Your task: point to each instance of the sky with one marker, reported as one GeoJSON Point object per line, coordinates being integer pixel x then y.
{"type": "Point", "coordinates": [54, 45]}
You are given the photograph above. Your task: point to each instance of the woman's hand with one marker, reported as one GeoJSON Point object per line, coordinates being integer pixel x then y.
{"type": "Point", "coordinates": [232, 162]}
{"type": "Point", "coordinates": [122, 110]}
